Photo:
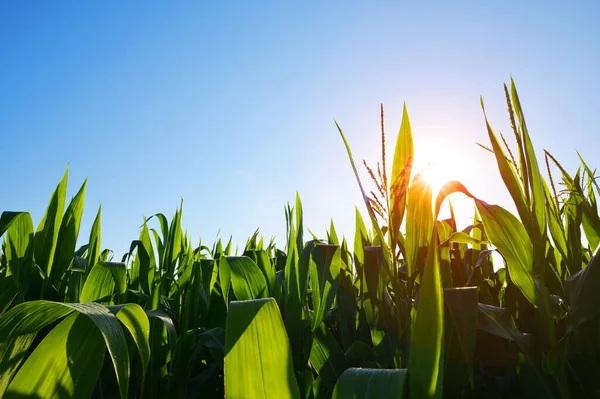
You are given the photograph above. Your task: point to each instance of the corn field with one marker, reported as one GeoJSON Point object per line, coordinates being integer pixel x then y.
{"type": "Point", "coordinates": [414, 308]}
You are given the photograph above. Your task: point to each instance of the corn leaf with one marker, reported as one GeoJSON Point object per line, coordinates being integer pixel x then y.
{"type": "Point", "coordinates": [66, 364]}
{"type": "Point", "coordinates": [136, 321]}
{"type": "Point", "coordinates": [401, 171]}
{"type": "Point", "coordinates": [12, 354]}
{"type": "Point", "coordinates": [105, 280]}
{"type": "Point", "coordinates": [19, 251]}
{"type": "Point", "coordinates": [258, 356]}
{"type": "Point", "coordinates": [67, 235]}
{"type": "Point", "coordinates": [30, 317]}
{"type": "Point", "coordinates": [324, 273]}
{"type": "Point", "coordinates": [371, 384]}
{"type": "Point", "coordinates": [427, 331]}
{"type": "Point", "coordinates": [93, 251]}
{"type": "Point", "coordinates": [419, 224]}
{"type": "Point", "coordinates": [247, 280]}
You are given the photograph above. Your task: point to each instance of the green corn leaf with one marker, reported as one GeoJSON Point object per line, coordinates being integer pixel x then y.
{"type": "Point", "coordinates": [426, 342]}
{"type": "Point", "coordinates": [247, 280]}
{"type": "Point", "coordinates": [46, 234]}
{"type": "Point", "coordinates": [66, 364]}
{"type": "Point", "coordinates": [12, 354]}
{"type": "Point", "coordinates": [401, 171]}
{"type": "Point", "coordinates": [258, 356]}
{"type": "Point", "coordinates": [419, 224]}
{"type": "Point", "coordinates": [332, 237]}
{"type": "Point", "coordinates": [509, 235]}
{"type": "Point", "coordinates": [30, 317]}
{"type": "Point", "coordinates": [19, 251]}
{"type": "Point", "coordinates": [105, 280]}
{"type": "Point", "coordinates": [136, 321]}
{"type": "Point", "coordinates": [7, 218]}
{"type": "Point", "coordinates": [93, 251]}
{"type": "Point", "coordinates": [324, 273]}
{"type": "Point", "coordinates": [510, 177]}
{"type": "Point", "coordinates": [67, 235]}
{"type": "Point", "coordinates": [371, 384]}
{"type": "Point", "coordinates": [538, 205]}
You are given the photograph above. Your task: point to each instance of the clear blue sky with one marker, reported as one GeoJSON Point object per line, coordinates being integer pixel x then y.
{"type": "Point", "coordinates": [231, 105]}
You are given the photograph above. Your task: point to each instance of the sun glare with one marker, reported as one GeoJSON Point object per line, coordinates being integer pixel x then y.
{"type": "Point", "coordinates": [443, 160]}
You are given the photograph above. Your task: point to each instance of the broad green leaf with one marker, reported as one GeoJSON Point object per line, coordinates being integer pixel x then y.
{"type": "Point", "coordinates": [247, 280]}
{"type": "Point", "coordinates": [371, 384]}
{"type": "Point", "coordinates": [507, 234]}
{"type": "Point", "coordinates": [419, 224]}
{"type": "Point", "coordinates": [105, 280]}
{"type": "Point", "coordinates": [19, 251]}
{"type": "Point", "coordinates": [7, 218]}
{"type": "Point", "coordinates": [462, 305]}
{"type": "Point", "coordinates": [324, 273]}
{"type": "Point", "coordinates": [66, 364]}
{"type": "Point", "coordinates": [401, 171]}
{"type": "Point", "coordinates": [46, 234]}
{"type": "Point", "coordinates": [12, 354]}
{"type": "Point", "coordinates": [136, 321]}
{"type": "Point", "coordinates": [258, 356]}
{"type": "Point", "coordinates": [30, 317]}
{"type": "Point", "coordinates": [427, 330]}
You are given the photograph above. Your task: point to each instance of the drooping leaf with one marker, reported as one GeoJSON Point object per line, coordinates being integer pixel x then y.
{"type": "Point", "coordinates": [30, 317]}
{"type": "Point", "coordinates": [136, 321]}
{"type": "Point", "coordinates": [66, 364]}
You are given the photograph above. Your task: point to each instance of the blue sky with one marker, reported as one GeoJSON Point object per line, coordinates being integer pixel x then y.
{"type": "Point", "coordinates": [231, 105]}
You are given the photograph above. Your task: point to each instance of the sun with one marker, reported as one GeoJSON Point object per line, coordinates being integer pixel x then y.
{"type": "Point", "coordinates": [444, 159]}
{"type": "Point", "coordinates": [437, 175]}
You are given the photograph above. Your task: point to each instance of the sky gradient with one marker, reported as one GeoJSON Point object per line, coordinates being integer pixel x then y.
{"type": "Point", "coordinates": [231, 106]}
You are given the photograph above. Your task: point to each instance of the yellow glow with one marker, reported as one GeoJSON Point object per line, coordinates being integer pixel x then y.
{"type": "Point", "coordinates": [440, 159]}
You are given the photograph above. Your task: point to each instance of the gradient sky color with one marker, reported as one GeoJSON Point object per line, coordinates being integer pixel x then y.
{"type": "Point", "coordinates": [230, 105]}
